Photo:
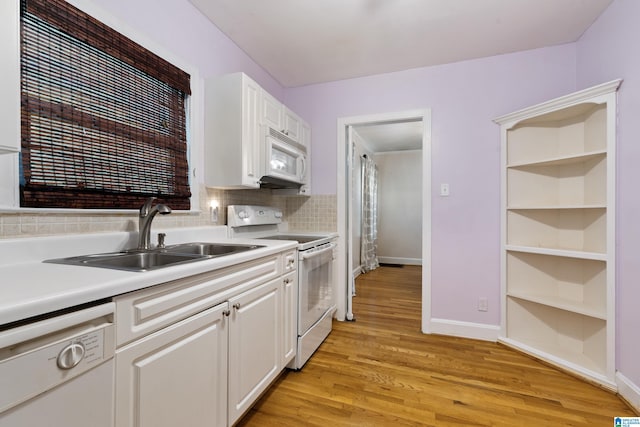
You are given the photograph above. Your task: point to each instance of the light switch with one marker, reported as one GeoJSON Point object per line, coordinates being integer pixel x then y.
{"type": "Point", "coordinates": [444, 189]}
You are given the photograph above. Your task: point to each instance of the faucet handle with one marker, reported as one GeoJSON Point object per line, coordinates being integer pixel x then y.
{"type": "Point", "coordinates": [161, 237]}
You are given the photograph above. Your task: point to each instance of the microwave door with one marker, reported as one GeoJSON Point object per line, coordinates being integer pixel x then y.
{"type": "Point", "coordinates": [282, 161]}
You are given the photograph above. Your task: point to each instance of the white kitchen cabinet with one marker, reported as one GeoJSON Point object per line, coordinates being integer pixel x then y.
{"type": "Point", "coordinates": [206, 346]}
{"type": "Point", "coordinates": [10, 72]}
{"type": "Point", "coordinates": [176, 376]}
{"type": "Point", "coordinates": [277, 116]}
{"type": "Point", "coordinates": [558, 221]}
{"type": "Point", "coordinates": [237, 111]}
{"type": "Point", "coordinates": [271, 111]}
{"type": "Point", "coordinates": [292, 124]}
{"type": "Point", "coordinates": [305, 136]}
{"type": "Point", "coordinates": [254, 345]}
{"type": "Point", "coordinates": [232, 132]}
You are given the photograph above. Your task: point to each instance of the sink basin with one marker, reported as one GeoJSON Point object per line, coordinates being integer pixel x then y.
{"type": "Point", "coordinates": [130, 261]}
{"type": "Point", "coordinates": [152, 259]}
{"type": "Point", "coordinates": [209, 249]}
{"type": "Point", "coordinates": [141, 260]}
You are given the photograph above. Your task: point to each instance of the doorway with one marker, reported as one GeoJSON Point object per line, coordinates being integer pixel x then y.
{"type": "Point", "coordinates": [347, 161]}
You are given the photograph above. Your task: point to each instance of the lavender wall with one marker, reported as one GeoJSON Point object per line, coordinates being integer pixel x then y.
{"type": "Point", "coordinates": [179, 27]}
{"type": "Point", "coordinates": [464, 98]}
{"type": "Point", "coordinates": [608, 50]}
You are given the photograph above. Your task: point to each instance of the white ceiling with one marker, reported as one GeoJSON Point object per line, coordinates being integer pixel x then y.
{"type": "Point", "coordinates": [391, 136]}
{"type": "Point", "coordinates": [301, 42]}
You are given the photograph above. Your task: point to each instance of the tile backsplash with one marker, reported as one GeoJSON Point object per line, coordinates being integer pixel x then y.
{"type": "Point", "coordinates": [314, 213]}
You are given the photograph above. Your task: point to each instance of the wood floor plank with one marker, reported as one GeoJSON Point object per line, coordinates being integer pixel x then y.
{"type": "Point", "coordinates": [382, 371]}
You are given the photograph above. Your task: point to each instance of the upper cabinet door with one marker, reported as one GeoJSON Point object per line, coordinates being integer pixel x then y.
{"type": "Point", "coordinates": [291, 125]}
{"type": "Point", "coordinates": [232, 132]}
{"type": "Point", "coordinates": [250, 132]}
{"type": "Point", "coordinates": [279, 117]}
{"type": "Point", "coordinates": [271, 111]}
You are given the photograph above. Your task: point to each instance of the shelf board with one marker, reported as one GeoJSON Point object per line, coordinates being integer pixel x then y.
{"type": "Point", "coordinates": [561, 304]}
{"type": "Point", "coordinates": [564, 358]}
{"type": "Point", "coordinates": [562, 160]}
{"type": "Point", "coordinates": [555, 207]}
{"type": "Point", "coordinates": [558, 252]}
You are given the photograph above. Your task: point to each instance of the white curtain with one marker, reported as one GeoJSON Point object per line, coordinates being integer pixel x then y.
{"type": "Point", "coordinates": [369, 220]}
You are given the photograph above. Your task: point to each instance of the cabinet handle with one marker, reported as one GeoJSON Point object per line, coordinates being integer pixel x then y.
{"type": "Point", "coordinates": [236, 306]}
{"type": "Point", "coordinates": [287, 281]}
{"type": "Point", "coordinates": [226, 313]}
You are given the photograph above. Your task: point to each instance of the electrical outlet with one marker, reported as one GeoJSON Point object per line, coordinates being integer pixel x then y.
{"type": "Point", "coordinates": [444, 189]}
{"type": "Point", "coordinates": [483, 304]}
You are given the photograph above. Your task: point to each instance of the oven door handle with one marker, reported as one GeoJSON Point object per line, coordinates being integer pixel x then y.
{"type": "Point", "coordinates": [305, 256]}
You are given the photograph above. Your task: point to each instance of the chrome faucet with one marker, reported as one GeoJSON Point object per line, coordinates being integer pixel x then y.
{"type": "Point", "coordinates": [146, 216]}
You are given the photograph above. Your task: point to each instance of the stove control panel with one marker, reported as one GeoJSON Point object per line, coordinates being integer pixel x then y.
{"type": "Point", "coordinates": [243, 215]}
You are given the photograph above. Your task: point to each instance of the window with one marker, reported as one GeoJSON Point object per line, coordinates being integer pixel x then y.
{"type": "Point", "coordinates": [103, 119]}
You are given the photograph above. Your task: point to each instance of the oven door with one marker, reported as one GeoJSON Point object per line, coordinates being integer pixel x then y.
{"type": "Point", "coordinates": [315, 285]}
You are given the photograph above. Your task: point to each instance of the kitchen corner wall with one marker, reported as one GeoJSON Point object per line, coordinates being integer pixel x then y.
{"type": "Point", "coordinates": [605, 52]}
{"type": "Point", "coordinates": [315, 213]}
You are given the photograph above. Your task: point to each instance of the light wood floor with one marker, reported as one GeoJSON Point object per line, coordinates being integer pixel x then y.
{"type": "Point", "coordinates": [382, 371]}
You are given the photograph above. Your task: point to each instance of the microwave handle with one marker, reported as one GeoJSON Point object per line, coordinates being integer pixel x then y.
{"type": "Point", "coordinates": [303, 160]}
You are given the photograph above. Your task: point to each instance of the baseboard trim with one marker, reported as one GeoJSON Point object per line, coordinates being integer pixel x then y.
{"type": "Point", "coordinates": [628, 391]}
{"type": "Point", "coordinates": [397, 260]}
{"type": "Point", "coordinates": [357, 271]}
{"type": "Point", "coordinates": [478, 331]}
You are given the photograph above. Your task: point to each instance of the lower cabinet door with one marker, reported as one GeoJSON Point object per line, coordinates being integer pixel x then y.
{"type": "Point", "coordinates": [254, 345]}
{"type": "Point", "coordinates": [176, 376]}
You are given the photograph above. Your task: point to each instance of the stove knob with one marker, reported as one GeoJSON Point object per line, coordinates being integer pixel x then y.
{"type": "Point", "coordinates": [243, 215]}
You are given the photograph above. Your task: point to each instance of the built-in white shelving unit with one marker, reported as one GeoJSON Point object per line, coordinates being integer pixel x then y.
{"type": "Point", "coordinates": [558, 232]}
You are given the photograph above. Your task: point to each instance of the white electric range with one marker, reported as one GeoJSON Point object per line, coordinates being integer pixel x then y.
{"type": "Point", "coordinates": [316, 256]}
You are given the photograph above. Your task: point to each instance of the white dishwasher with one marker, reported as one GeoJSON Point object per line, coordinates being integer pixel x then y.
{"type": "Point", "coordinates": [59, 371]}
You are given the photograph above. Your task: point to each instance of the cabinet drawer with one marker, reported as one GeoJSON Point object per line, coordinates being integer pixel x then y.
{"type": "Point", "coordinates": [142, 312]}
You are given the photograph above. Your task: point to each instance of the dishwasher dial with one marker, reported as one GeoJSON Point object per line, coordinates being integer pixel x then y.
{"type": "Point", "coordinates": [71, 355]}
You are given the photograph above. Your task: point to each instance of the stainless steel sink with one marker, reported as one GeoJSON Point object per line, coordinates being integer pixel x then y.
{"type": "Point", "coordinates": [145, 260]}
{"type": "Point", "coordinates": [210, 249]}
{"type": "Point", "coordinates": [130, 261]}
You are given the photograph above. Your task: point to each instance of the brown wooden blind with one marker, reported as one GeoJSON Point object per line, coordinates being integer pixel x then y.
{"type": "Point", "coordinates": [103, 119]}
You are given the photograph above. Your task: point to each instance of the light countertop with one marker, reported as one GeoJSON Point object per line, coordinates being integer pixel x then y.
{"type": "Point", "coordinates": [29, 287]}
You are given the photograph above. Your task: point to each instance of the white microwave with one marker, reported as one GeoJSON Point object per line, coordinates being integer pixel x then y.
{"type": "Point", "coordinates": [285, 161]}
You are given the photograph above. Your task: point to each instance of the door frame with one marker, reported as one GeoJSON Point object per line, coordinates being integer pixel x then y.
{"type": "Point", "coordinates": [344, 167]}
